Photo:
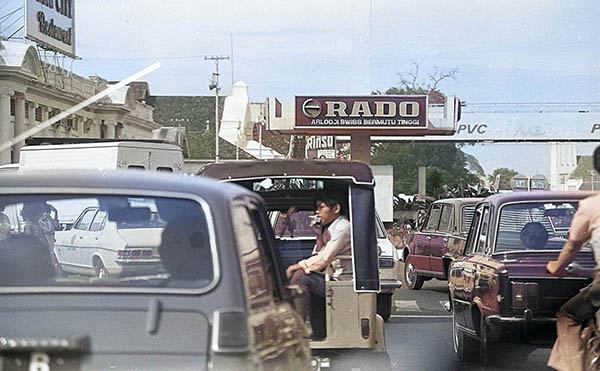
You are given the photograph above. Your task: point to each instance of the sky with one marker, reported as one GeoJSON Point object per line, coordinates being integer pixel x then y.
{"type": "Point", "coordinates": [504, 51]}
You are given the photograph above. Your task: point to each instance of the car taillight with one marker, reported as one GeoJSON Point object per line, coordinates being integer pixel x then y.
{"type": "Point", "coordinates": [230, 331]}
{"type": "Point", "coordinates": [524, 295]}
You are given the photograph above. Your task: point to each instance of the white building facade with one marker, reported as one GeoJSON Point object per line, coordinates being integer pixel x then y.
{"type": "Point", "coordinates": [31, 91]}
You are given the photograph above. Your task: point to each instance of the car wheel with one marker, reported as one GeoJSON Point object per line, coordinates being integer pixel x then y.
{"type": "Point", "coordinates": [412, 279]}
{"type": "Point", "coordinates": [384, 305]}
{"type": "Point", "coordinates": [100, 269]}
{"type": "Point", "coordinates": [465, 347]}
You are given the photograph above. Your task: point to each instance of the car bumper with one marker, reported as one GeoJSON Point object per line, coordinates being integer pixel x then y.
{"type": "Point", "coordinates": [518, 320]}
{"type": "Point", "coordinates": [388, 286]}
{"type": "Point", "coordinates": [133, 267]}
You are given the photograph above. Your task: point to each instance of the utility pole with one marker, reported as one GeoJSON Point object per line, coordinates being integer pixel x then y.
{"type": "Point", "coordinates": [214, 84]}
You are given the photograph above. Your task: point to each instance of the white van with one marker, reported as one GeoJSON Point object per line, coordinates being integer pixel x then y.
{"type": "Point", "coordinates": [104, 155]}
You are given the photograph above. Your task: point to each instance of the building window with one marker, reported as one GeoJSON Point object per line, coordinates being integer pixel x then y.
{"type": "Point", "coordinates": [38, 113]}
{"type": "Point", "coordinates": [12, 106]}
{"type": "Point", "coordinates": [27, 110]}
{"type": "Point", "coordinates": [70, 124]}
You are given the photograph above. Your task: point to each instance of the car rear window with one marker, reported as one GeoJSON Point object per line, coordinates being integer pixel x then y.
{"type": "Point", "coordinates": [534, 225]}
{"type": "Point", "coordinates": [294, 226]}
{"type": "Point", "coordinates": [115, 241]}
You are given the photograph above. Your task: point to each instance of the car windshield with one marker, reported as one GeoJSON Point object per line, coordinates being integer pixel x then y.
{"type": "Point", "coordinates": [105, 241]}
{"type": "Point", "coordinates": [534, 225]}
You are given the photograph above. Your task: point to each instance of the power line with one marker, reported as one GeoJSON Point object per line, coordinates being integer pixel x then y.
{"type": "Point", "coordinates": [15, 21]}
{"type": "Point", "coordinates": [11, 13]}
{"type": "Point", "coordinates": [14, 33]}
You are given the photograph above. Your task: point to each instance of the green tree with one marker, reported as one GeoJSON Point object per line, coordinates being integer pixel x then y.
{"type": "Point", "coordinates": [584, 169]}
{"type": "Point", "coordinates": [446, 163]}
{"type": "Point", "coordinates": [505, 176]}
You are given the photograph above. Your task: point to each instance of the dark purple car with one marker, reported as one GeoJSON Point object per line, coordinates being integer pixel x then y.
{"type": "Point", "coordinates": [439, 240]}
{"type": "Point", "coordinates": [502, 279]}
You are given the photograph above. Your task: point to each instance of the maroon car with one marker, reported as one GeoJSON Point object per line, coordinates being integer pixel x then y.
{"type": "Point", "coordinates": [502, 279]}
{"type": "Point", "coordinates": [439, 240]}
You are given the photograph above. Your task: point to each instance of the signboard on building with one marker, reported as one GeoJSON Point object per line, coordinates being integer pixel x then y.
{"type": "Point", "coordinates": [320, 146]}
{"type": "Point", "coordinates": [51, 24]}
{"type": "Point", "coordinates": [374, 112]}
{"type": "Point", "coordinates": [537, 122]}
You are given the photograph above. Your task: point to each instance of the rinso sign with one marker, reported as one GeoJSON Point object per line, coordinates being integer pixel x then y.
{"type": "Point", "coordinates": [320, 146]}
{"type": "Point", "coordinates": [51, 23]}
{"type": "Point", "coordinates": [363, 112]}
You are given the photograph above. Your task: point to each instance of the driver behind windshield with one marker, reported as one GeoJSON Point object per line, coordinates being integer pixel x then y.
{"type": "Point", "coordinates": [333, 239]}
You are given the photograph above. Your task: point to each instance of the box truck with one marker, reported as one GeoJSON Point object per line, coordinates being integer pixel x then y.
{"type": "Point", "coordinates": [140, 155]}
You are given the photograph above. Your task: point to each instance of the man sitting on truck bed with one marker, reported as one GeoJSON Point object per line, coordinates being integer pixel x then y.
{"type": "Point", "coordinates": [333, 239]}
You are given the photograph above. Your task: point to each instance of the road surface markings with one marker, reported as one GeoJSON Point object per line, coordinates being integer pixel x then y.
{"type": "Point", "coordinates": [445, 304]}
{"type": "Point", "coordinates": [406, 306]}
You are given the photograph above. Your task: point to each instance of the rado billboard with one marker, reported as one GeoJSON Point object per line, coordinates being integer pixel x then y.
{"type": "Point", "coordinates": [361, 112]}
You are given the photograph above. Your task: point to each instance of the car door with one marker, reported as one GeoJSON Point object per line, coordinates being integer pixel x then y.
{"type": "Point", "coordinates": [279, 333]}
{"type": "Point", "coordinates": [468, 270]}
{"type": "Point", "coordinates": [71, 253]}
{"type": "Point", "coordinates": [422, 242]}
{"type": "Point", "coordinates": [438, 245]}
{"type": "Point", "coordinates": [91, 241]}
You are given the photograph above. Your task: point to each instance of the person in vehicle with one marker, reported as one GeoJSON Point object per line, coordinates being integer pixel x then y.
{"type": "Point", "coordinates": [333, 239]}
{"type": "Point", "coordinates": [24, 260]}
{"type": "Point", "coordinates": [534, 236]}
{"type": "Point", "coordinates": [39, 222]}
{"type": "Point", "coordinates": [185, 247]}
{"type": "Point", "coordinates": [568, 350]}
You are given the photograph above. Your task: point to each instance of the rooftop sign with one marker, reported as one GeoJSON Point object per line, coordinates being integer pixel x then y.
{"type": "Point", "coordinates": [51, 24]}
{"type": "Point", "coordinates": [379, 112]}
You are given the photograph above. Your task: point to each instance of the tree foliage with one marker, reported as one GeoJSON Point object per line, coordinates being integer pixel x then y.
{"type": "Point", "coordinates": [585, 169]}
{"type": "Point", "coordinates": [505, 177]}
{"type": "Point", "coordinates": [197, 115]}
{"type": "Point", "coordinates": [446, 163]}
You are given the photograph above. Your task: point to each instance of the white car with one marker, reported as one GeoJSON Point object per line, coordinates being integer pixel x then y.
{"type": "Point", "coordinates": [388, 271]}
{"type": "Point", "coordinates": [97, 245]}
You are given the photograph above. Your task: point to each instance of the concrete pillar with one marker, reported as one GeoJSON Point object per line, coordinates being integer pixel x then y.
{"type": "Point", "coordinates": [32, 106]}
{"type": "Point", "coordinates": [111, 129]}
{"type": "Point", "coordinates": [119, 131]}
{"type": "Point", "coordinates": [46, 132]}
{"type": "Point", "coordinates": [97, 130]}
{"type": "Point", "coordinates": [422, 181]}
{"type": "Point", "coordinates": [6, 127]}
{"type": "Point", "coordinates": [19, 124]}
{"type": "Point", "coordinates": [360, 147]}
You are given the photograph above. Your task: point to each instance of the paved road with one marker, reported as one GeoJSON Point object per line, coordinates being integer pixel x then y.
{"type": "Point", "coordinates": [419, 336]}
